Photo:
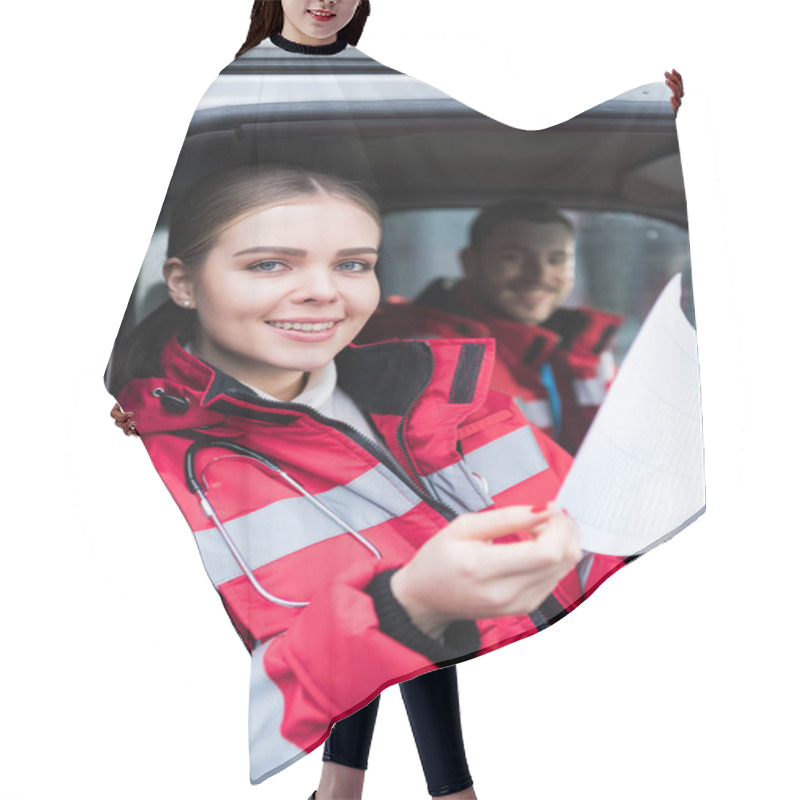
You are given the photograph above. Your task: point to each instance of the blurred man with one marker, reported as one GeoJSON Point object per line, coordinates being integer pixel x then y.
{"type": "Point", "coordinates": [519, 266]}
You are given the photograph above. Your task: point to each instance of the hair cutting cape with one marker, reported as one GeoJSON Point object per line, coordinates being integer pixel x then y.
{"type": "Point", "coordinates": [300, 520]}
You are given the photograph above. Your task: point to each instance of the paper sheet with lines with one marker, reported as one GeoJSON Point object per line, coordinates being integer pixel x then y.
{"type": "Point", "coordinates": [638, 476]}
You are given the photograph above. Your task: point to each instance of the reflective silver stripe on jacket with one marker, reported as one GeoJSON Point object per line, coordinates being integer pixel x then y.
{"type": "Point", "coordinates": [459, 487]}
{"type": "Point", "coordinates": [502, 463]}
{"type": "Point", "coordinates": [269, 751]}
{"type": "Point", "coordinates": [536, 411]}
{"type": "Point", "coordinates": [589, 391]}
{"type": "Point", "coordinates": [592, 391]}
{"type": "Point", "coordinates": [289, 525]}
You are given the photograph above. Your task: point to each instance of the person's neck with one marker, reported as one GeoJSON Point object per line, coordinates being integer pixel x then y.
{"type": "Point", "coordinates": [331, 46]}
{"type": "Point", "coordinates": [282, 384]}
{"type": "Point", "coordinates": [287, 390]}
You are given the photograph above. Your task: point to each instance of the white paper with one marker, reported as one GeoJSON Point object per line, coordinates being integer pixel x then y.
{"type": "Point", "coordinates": [638, 477]}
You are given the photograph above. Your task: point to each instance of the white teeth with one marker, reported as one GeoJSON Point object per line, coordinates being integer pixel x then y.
{"type": "Point", "coordinates": [308, 327]}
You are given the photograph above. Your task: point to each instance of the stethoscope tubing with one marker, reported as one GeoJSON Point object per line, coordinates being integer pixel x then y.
{"type": "Point", "coordinates": [194, 485]}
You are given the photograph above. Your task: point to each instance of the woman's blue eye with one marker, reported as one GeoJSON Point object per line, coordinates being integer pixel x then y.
{"type": "Point", "coordinates": [267, 266]}
{"type": "Point", "coordinates": [353, 266]}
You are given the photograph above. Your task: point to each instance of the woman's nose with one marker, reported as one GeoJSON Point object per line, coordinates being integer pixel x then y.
{"type": "Point", "coordinates": [316, 286]}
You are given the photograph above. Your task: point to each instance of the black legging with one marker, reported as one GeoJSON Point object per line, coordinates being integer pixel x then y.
{"type": "Point", "coordinates": [432, 706]}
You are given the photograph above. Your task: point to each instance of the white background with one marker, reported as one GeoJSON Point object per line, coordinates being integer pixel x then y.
{"type": "Point", "coordinates": [122, 677]}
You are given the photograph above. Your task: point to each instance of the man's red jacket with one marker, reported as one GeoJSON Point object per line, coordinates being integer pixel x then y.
{"type": "Point", "coordinates": [573, 342]}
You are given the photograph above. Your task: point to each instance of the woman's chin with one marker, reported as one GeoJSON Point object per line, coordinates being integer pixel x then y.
{"type": "Point", "coordinates": [315, 357]}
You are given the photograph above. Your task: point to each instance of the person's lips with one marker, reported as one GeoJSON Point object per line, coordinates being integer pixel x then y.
{"type": "Point", "coordinates": [533, 292]}
{"type": "Point", "coordinates": [306, 330]}
{"type": "Point", "coordinates": [304, 325]}
{"type": "Point", "coordinates": [322, 16]}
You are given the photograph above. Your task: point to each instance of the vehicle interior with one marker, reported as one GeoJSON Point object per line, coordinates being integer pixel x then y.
{"type": "Point", "coordinates": [433, 163]}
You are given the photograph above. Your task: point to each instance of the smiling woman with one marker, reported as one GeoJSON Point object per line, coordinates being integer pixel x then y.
{"type": "Point", "coordinates": [299, 23]}
{"type": "Point", "coordinates": [316, 22]}
{"type": "Point", "coordinates": [246, 298]}
{"type": "Point", "coordinates": [271, 274]}
{"type": "Point", "coordinates": [261, 306]}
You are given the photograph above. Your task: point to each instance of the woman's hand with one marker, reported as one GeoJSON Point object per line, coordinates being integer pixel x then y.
{"type": "Point", "coordinates": [460, 574]}
{"type": "Point", "coordinates": [124, 420]}
{"type": "Point", "coordinates": [675, 83]}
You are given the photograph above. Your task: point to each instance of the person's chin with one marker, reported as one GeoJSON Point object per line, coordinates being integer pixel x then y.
{"type": "Point", "coordinates": [525, 315]}
{"type": "Point", "coordinates": [317, 34]}
{"type": "Point", "coordinates": [310, 356]}
{"type": "Point", "coordinates": [310, 362]}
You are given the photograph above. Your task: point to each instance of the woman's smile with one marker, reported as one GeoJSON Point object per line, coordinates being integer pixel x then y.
{"type": "Point", "coordinates": [304, 325]}
{"type": "Point", "coordinates": [306, 330]}
{"type": "Point", "coordinates": [322, 16]}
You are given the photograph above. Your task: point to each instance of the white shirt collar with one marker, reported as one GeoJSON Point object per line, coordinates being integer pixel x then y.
{"type": "Point", "coordinates": [318, 390]}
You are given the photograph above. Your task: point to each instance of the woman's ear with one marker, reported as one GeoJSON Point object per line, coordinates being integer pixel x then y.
{"type": "Point", "coordinates": [179, 282]}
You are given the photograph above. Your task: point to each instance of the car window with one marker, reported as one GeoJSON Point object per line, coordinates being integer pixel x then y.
{"type": "Point", "coordinates": [623, 260]}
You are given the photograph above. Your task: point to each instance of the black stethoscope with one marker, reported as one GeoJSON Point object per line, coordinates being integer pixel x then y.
{"type": "Point", "coordinates": [195, 487]}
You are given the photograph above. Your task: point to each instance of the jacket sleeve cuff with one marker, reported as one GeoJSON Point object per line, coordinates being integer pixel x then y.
{"type": "Point", "coordinates": [460, 639]}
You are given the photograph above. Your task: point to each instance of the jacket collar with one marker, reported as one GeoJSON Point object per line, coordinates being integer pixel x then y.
{"type": "Point", "coordinates": [584, 331]}
{"type": "Point", "coordinates": [516, 343]}
{"type": "Point", "coordinates": [417, 392]}
{"type": "Point", "coordinates": [436, 382]}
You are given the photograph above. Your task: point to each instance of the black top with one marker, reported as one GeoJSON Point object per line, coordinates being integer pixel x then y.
{"type": "Point", "coordinates": [309, 49]}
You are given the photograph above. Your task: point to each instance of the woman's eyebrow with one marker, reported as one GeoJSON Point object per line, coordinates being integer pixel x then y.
{"type": "Point", "coordinates": [354, 251]}
{"type": "Point", "coordinates": [293, 251]}
{"type": "Point", "coordinates": [286, 251]}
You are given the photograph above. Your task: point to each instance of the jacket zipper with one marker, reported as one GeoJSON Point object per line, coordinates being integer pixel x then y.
{"type": "Point", "coordinates": [401, 428]}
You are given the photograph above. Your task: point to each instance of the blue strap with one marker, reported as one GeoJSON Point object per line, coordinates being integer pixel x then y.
{"type": "Point", "coordinates": [549, 383]}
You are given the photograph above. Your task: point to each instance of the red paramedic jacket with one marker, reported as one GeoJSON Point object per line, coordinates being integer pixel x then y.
{"type": "Point", "coordinates": [456, 447]}
{"type": "Point", "coordinates": [573, 341]}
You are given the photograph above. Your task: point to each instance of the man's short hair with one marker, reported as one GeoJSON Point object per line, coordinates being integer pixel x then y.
{"type": "Point", "coordinates": [515, 211]}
